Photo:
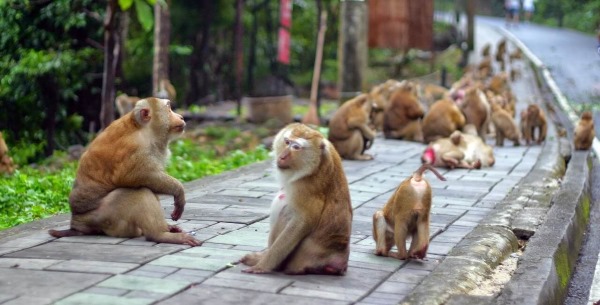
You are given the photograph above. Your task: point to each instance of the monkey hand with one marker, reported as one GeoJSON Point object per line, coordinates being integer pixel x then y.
{"type": "Point", "coordinates": [179, 204]}
{"type": "Point", "coordinates": [251, 259]}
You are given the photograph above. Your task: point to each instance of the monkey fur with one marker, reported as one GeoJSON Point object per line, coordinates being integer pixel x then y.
{"type": "Point", "coordinates": [120, 175]}
{"type": "Point", "coordinates": [584, 132]}
{"type": "Point", "coordinates": [311, 217]}
{"type": "Point", "coordinates": [535, 119]}
{"type": "Point", "coordinates": [443, 119]}
{"type": "Point", "coordinates": [405, 214]}
{"type": "Point", "coordinates": [349, 130]}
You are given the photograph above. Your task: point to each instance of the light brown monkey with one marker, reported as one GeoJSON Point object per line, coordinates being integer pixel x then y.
{"type": "Point", "coordinates": [505, 126]}
{"type": "Point", "coordinates": [498, 83]}
{"type": "Point", "coordinates": [404, 108]}
{"type": "Point", "coordinates": [6, 162]}
{"type": "Point", "coordinates": [535, 118]}
{"type": "Point", "coordinates": [584, 132]}
{"type": "Point", "coordinates": [125, 103]}
{"type": "Point", "coordinates": [443, 118]}
{"type": "Point", "coordinates": [349, 130]}
{"type": "Point", "coordinates": [120, 174]}
{"type": "Point", "coordinates": [429, 93]}
{"type": "Point", "coordinates": [447, 153]}
{"type": "Point", "coordinates": [485, 68]}
{"type": "Point", "coordinates": [166, 90]}
{"type": "Point", "coordinates": [405, 214]}
{"type": "Point", "coordinates": [311, 217]}
{"type": "Point", "coordinates": [476, 151]}
{"type": "Point", "coordinates": [501, 51]}
{"type": "Point", "coordinates": [477, 110]}
{"type": "Point", "coordinates": [486, 50]}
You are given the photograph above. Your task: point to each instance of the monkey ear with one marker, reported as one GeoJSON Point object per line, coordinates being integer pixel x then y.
{"type": "Point", "coordinates": [142, 115]}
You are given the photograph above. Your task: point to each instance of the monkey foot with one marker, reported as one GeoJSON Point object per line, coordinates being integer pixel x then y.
{"type": "Point", "coordinates": [174, 229]}
{"type": "Point", "coordinates": [477, 164]}
{"type": "Point", "coordinates": [397, 255]}
{"type": "Point", "coordinates": [191, 241]}
{"type": "Point", "coordinates": [255, 270]}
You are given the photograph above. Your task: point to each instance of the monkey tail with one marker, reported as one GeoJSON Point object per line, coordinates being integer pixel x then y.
{"type": "Point", "coordinates": [418, 175]}
{"type": "Point", "coordinates": [64, 233]}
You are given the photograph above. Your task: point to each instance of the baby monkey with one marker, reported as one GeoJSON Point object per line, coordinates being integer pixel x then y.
{"type": "Point", "coordinates": [406, 213]}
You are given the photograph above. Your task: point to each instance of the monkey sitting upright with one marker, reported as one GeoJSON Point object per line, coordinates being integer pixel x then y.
{"type": "Point", "coordinates": [120, 175]}
{"type": "Point", "coordinates": [311, 217]}
{"type": "Point", "coordinates": [443, 119]}
{"type": "Point", "coordinates": [403, 112]}
{"type": "Point", "coordinates": [349, 130]}
{"type": "Point", "coordinates": [125, 103]}
{"type": "Point", "coordinates": [534, 118]}
{"type": "Point", "coordinates": [584, 132]}
{"type": "Point", "coordinates": [405, 214]}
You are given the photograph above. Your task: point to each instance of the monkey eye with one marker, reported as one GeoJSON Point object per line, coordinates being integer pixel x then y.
{"type": "Point", "coordinates": [296, 146]}
{"type": "Point", "coordinates": [286, 141]}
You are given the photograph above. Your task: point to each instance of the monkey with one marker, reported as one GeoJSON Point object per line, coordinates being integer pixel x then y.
{"type": "Point", "coordinates": [476, 151]}
{"type": "Point", "coordinates": [311, 217]}
{"type": "Point", "coordinates": [443, 118]}
{"type": "Point", "coordinates": [485, 69]}
{"type": "Point", "coordinates": [505, 126]}
{"type": "Point", "coordinates": [534, 119]}
{"type": "Point", "coordinates": [6, 162]}
{"type": "Point", "coordinates": [584, 132]}
{"type": "Point", "coordinates": [515, 55]}
{"type": "Point", "coordinates": [429, 93]}
{"type": "Point", "coordinates": [349, 130]}
{"type": "Point", "coordinates": [404, 108]}
{"type": "Point", "coordinates": [498, 83]}
{"type": "Point", "coordinates": [477, 110]}
{"type": "Point", "coordinates": [121, 173]}
{"type": "Point", "coordinates": [448, 153]}
{"type": "Point", "coordinates": [125, 103]}
{"type": "Point", "coordinates": [501, 50]}
{"type": "Point", "coordinates": [486, 50]}
{"type": "Point", "coordinates": [166, 90]}
{"type": "Point", "coordinates": [405, 213]}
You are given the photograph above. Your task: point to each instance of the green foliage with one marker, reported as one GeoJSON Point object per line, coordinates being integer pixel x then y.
{"type": "Point", "coordinates": [190, 161]}
{"type": "Point", "coordinates": [31, 194]}
{"type": "Point", "coordinates": [582, 15]}
{"type": "Point", "coordinates": [44, 61]}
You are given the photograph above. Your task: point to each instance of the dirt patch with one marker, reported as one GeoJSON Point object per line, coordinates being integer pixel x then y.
{"type": "Point", "coordinates": [499, 277]}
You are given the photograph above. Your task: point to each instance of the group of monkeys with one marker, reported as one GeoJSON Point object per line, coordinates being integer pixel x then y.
{"type": "Point", "coordinates": [453, 122]}
{"type": "Point", "coordinates": [123, 170]}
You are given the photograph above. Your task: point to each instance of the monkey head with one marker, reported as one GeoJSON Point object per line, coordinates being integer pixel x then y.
{"type": "Point", "coordinates": [586, 116]}
{"type": "Point", "coordinates": [298, 150]}
{"type": "Point", "coordinates": [159, 117]}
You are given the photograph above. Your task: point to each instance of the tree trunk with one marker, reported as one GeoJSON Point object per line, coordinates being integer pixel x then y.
{"type": "Point", "coordinates": [162, 33]}
{"type": "Point", "coordinates": [50, 98]}
{"type": "Point", "coordinates": [107, 110]}
{"type": "Point", "coordinates": [239, 53]}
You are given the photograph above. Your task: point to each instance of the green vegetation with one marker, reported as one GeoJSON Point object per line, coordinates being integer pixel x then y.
{"type": "Point", "coordinates": [582, 15]}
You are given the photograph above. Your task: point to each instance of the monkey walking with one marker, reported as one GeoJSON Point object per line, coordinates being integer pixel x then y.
{"type": "Point", "coordinates": [405, 213]}
{"type": "Point", "coordinates": [120, 175]}
{"type": "Point", "coordinates": [311, 217]}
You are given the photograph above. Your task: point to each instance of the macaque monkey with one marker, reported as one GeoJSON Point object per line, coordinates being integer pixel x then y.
{"type": "Point", "coordinates": [534, 119]}
{"type": "Point", "coordinates": [505, 126]}
{"type": "Point", "coordinates": [349, 130]}
{"type": "Point", "coordinates": [166, 90]}
{"type": "Point", "coordinates": [447, 153]}
{"type": "Point", "coordinates": [515, 55]}
{"type": "Point", "coordinates": [443, 118]}
{"type": "Point", "coordinates": [405, 214]}
{"type": "Point", "coordinates": [486, 50]}
{"type": "Point", "coordinates": [501, 51]}
{"type": "Point", "coordinates": [477, 110]}
{"type": "Point", "coordinates": [404, 108]}
{"type": "Point", "coordinates": [476, 151]}
{"type": "Point", "coordinates": [498, 83]}
{"type": "Point", "coordinates": [430, 93]}
{"type": "Point", "coordinates": [584, 132]}
{"type": "Point", "coordinates": [485, 69]}
{"type": "Point", "coordinates": [120, 175]}
{"type": "Point", "coordinates": [6, 162]}
{"type": "Point", "coordinates": [125, 103]}
{"type": "Point", "coordinates": [311, 216]}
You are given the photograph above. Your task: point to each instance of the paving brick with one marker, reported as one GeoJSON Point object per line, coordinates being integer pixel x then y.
{"type": "Point", "coordinates": [25, 263]}
{"type": "Point", "coordinates": [235, 216]}
{"type": "Point", "coordinates": [240, 237]}
{"type": "Point", "coordinates": [49, 285]}
{"type": "Point", "coordinates": [189, 275]}
{"type": "Point", "coordinates": [320, 293]}
{"type": "Point", "coordinates": [95, 252]}
{"type": "Point", "coordinates": [190, 262]}
{"type": "Point", "coordinates": [106, 291]}
{"type": "Point", "coordinates": [93, 266]}
{"type": "Point", "coordinates": [27, 300]}
{"type": "Point", "coordinates": [131, 282]}
{"type": "Point", "coordinates": [96, 299]}
{"type": "Point", "coordinates": [395, 287]}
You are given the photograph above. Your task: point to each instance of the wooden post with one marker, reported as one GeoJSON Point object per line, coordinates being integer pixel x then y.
{"type": "Point", "coordinates": [471, 24]}
{"type": "Point", "coordinates": [239, 53]}
{"type": "Point", "coordinates": [352, 48]}
{"type": "Point", "coordinates": [312, 117]}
